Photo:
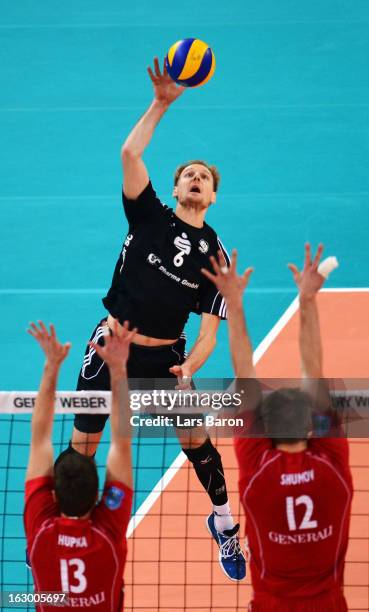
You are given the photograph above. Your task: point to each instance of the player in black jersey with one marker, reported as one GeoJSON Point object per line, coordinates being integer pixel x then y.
{"type": "Point", "coordinates": [157, 282]}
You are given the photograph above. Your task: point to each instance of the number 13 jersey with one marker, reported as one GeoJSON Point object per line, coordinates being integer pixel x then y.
{"type": "Point", "coordinates": [83, 558]}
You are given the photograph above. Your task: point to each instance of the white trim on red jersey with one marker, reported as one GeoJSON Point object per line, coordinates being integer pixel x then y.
{"type": "Point", "coordinates": [104, 535]}
{"type": "Point", "coordinates": [260, 470]}
{"type": "Point", "coordinates": [329, 464]}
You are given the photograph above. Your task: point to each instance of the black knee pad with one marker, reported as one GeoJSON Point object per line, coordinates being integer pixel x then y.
{"type": "Point", "coordinates": [207, 463]}
{"type": "Point", "coordinates": [201, 453]}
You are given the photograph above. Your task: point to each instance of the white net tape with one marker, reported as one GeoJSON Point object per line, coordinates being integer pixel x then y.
{"type": "Point", "coordinates": [79, 402]}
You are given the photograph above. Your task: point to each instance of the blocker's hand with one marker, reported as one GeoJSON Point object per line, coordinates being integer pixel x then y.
{"type": "Point", "coordinates": [55, 352]}
{"type": "Point", "coordinates": [308, 281]}
{"type": "Point", "coordinates": [183, 375]}
{"type": "Point", "coordinates": [116, 347]}
{"type": "Point", "coordinates": [165, 89]}
{"type": "Point", "coordinates": [227, 281]}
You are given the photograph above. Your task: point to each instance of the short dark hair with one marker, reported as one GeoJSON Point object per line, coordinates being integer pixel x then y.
{"type": "Point", "coordinates": [76, 484]}
{"type": "Point", "coordinates": [287, 415]}
{"type": "Point", "coordinates": [212, 169]}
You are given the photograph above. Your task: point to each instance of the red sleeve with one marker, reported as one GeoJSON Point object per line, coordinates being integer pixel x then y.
{"type": "Point", "coordinates": [250, 441]}
{"type": "Point", "coordinates": [114, 509]}
{"type": "Point", "coordinates": [249, 454]}
{"type": "Point", "coordinates": [251, 447]}
{"type": "Point", "coordinates": [39, 505]}
{"type": "Point", "coordinates": [329, 438]}
{"type": "Point", "coordinates": [336, 449]}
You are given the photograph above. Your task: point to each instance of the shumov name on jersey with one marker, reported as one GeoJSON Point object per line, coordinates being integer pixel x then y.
{"type": "Point", "coordinates": [184, 421]}
{"type": "Point", "coordinates": [297, 478]}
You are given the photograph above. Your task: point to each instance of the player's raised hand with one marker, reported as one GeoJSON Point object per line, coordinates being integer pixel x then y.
{"type": "Point", "coordinates": [165, 89]}
{"type": "Point", "coordinates": [55, 352]}
{"type": "Point", "coordinates": [308, 280]}
{"type": "Point", "coordinates": [116, 347]}
{"type": "Point", "coordinates": [184, 376]}
{"type": "Point", "coordinates": [230, 284]}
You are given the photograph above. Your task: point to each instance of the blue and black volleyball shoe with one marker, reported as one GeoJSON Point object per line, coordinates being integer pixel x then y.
{"type": "Point", "coordinates": [231, 558]}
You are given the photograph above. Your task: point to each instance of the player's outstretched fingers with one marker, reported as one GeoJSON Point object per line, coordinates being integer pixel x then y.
{"type": "Point", "coordinates": [33, 330]}
{"type": "Point", "coordinates": [98, 348]}
{"type": "Point", "coordinates": [295, 272]}
{"type": "Point", "coordinates": [66, 349]}
{"type": "Point", "coordinates": [215, 264]}
{"type": "Point", "coordinates": [52, 331]}
{"type": "Point", "coordinates": [93, 345]}
{"type": "Point", "coordinates": [209, 275]}
{"type": "Point", "coordinates": [157, 67]}
{"type": "Point", "coordinates": [44, 329]}
{"type": "Point", "coordinates": [151, 75]}
{"type": "Point", "coordinates": [318, 256]}
{"type": "Point", "coordinates": [246, 275]}
{"type": "Point", "coordinates": [124, 330]}
{"type": "Point", "coordinates": [307, 261]}
{"type": "Point", "coordinates": [234, 260]}
{"type": "Point", "coordinates": [131, 335]}
{"type": "Point", "coordinates": [223, 266]}
{"type": "Point", "coordinates": [116, 329]}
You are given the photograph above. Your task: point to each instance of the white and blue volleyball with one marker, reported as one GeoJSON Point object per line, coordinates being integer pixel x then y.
{"type": "Point", "coordinates": [190, 62]}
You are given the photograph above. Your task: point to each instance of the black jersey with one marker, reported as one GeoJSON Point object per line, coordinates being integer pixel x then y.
{"type": "Point", "coordinates": [157, 280]}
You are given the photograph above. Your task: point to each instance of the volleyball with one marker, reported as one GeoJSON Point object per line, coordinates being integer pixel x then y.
{"type": "Point", "coordinates": [190, 62]}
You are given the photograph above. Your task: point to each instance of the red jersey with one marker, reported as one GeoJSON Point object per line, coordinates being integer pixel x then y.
{"type": "Point", "coordinates": [82, 557]}
{"type": "Point", "coordinates": [297, 508]}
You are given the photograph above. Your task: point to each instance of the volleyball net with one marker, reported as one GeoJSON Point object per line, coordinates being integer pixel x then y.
{"type": "Point", "coordinates": [172, 560]}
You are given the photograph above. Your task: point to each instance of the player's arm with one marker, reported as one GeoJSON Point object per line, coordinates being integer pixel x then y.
{"type": "Point", "coordinates": [232, 287]}
{"type": "Point", "coordinates": [40, 462]}
{"type": "Point", "coordinates": [135, 173]}
{"type": "Point", "coordinates": [115, 354]}
{"type": "Point", "coordinates": [309, 282]}
{"type": "Point", "coordinates": [203, 347]}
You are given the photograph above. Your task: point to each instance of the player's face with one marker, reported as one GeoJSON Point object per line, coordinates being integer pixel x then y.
{"type": "Point", "coordinates": [195, 187]}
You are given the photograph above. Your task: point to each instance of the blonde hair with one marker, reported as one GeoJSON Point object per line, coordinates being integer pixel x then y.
{"type": "Point", "coordinates": [213, 169]}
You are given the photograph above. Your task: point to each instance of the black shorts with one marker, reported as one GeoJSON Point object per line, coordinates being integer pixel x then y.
{"type": "Point", "coordinates": [147, 368]}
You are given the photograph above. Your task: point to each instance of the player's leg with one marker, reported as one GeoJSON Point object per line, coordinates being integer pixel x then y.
{"type": "Point", "coordinates": [93, 376]}
{"type": "Point", "coordinates": [85, 442]}
{"type": "Point", "coordinates": [150, 363]}
{"type": "Point", "coordinates": [208, 466]}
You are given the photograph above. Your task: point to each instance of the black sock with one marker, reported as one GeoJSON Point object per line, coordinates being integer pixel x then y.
{"type": "Point", "coordinates": [69, 451]}
{"type": "Point", "coordinates": [209, 469]}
